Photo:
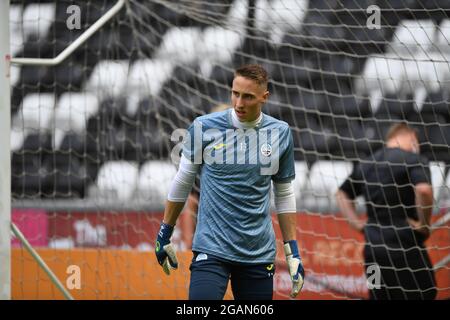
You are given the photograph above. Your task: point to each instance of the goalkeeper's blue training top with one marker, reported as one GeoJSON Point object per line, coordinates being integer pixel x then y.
{"type": "Point", "coordinates": [237, 167]}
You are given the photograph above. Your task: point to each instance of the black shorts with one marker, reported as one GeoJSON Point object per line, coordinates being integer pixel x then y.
{"type": "Point", "coordinates": [210, 275]}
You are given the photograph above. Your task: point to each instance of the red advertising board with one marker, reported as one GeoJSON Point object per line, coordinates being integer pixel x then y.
{"type": "Point", "coordinates": [331, 251]}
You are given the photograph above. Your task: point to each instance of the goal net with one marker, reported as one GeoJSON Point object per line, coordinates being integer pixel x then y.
{"type": "Point", "coordinates": [91, 144]}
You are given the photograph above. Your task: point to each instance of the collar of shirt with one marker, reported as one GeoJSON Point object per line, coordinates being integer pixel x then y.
{"type": "Point", "coordinates": [244, 125]}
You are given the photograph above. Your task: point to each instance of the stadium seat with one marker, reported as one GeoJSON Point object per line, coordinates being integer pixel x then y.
{"type": "Point", "coordinates": [324, 179]}
{"type": "Point", "coordinates": [116, 181]}
{"type": "Point", "coordinates": [155, 178]}
{"type": "Point", "coordinates": [16, 29]}
{"type": "Point", "coordinates": [37, 18]}
{"type": "Point", "coordinates": [318, 31]}
{"type": "Point", "coordinates": [413, 36]}
{"type": "Point", "coordinates": [67, 177]}
{"type": "Point", "coordinates": [82, 102]}
{"type": "Point", "coordinates": [314, 140]}
{"type": "Point", "coordinates": [393, 106]}
{"type": "Point", "coordinates": [35, 79]}
{"type": "Point", "coordinates": [75, 143]}
{"type": "Point", "coordinates": [348, 105]}
{"type": "Point", "coordinates": [27, 175]}
{"type": "Point", "coordinates": [72, 113]}
{"type": "Point", "coordinates": [437, 103]}
{"type": "Point", "coordinates": [284, 16]}
{"type": "Point", "coordinates": [38, 143]}
{"type": "Point", "coordinates": [443, 36]}
{"type": "Point", "coordinates": [222, 74]}
{"type": "Point", "coordinates": [435, 140]}
{"type": "Point", "coordinates": [429, 70]}
{"type": "Point", "coordinates": [108, 79]}
{"type": "Point", "coordinates": [294, 69]}
{"type": "Point", "coordinates": [36, 112]}
{"type": "Point", "coordinates": [437, 170]}
{"type": "Point", "coordinates": [301, 175]}
{"type": "Point", "coordinates": [352, 142]}
{"type": "Point", "coordinates": [142, 144]}
{"type": "Point", "coordinates": [307, 100]}
{"type": "Point", "coordinates": [17, 137]}
{"type": "Point", "coordinates": [237, 16]}
{"type": "Point", "coordinates": [218, 45]}
{"type": "Point", "coordinates": [181, 45]}
{"type": "Point", "coordinates": [68, 76]}
{"type": "Point", "coordinates": [148, 76]}
{"type": "Point", "coordinates": [445, 195]}
{"type": "Point", "coordinates": [381, 73]}
{"type": "Point", "coordinates": [326, 176]}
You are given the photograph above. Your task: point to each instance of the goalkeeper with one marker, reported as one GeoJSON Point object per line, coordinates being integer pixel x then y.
{"type": "Point", "coordinates": [234, 238]}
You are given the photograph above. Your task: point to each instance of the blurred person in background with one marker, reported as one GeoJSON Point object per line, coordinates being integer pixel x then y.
{"type": "Point", "coordinates": [395, 182]}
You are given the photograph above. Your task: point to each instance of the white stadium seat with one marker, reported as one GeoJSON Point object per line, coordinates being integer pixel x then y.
{"type": "Point", "coordinates": [37, 111]}
{"type": "Point", "coordinates": [429, 70]}
{"type": "Point", "coordinates": [301, 175]}
{"type": "Point", "coordinates": [383, 74]}
{"type": "Point", "coordinates": [437, 170]}
{"type": "Point", "coordinates": [413, 35]}
{"type": "Point", "coordinates": [14, 75]}
{"type": "Point", "coordinates": [117, 180]}
{"type": "Point", "coordinates": [180, 45]}
{"type": "Point", "coordinates": [443, 35]}
{"type": "Point", "coordinates": [155, 178]}
{"type": "Point", "coordinates": [37, 19]}
{"type": "Point", "coordinates": [326, 176]}
{"type": "Point", "coordinates": [237, 16]}
{"type": "Point", "coordinates": [323, 181]}
{"type": "Point", "coordinates": [35, 114]}
{"type": "Point", "coordinates": [445, 195]}
{"type": "Point", "coordinates": [73, 112]}
{"type": "Point", "coordinates": [148, 76]}
{"type": "Point", "coordinates": [109, 78]}
{"type": "Point", "coordinates": [15, 29]}
{"type": "Point", "coordinates": [219, 44]}
{"type": "Point", "coordinates": [285, 16]}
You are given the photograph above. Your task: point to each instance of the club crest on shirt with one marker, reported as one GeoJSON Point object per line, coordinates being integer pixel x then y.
{"type": "Point", "coordinates": [266, 150]}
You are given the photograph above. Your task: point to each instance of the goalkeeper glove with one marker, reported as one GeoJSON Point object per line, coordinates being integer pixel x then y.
{"type": "Point", "coordinates": [165, 253]}
{"type": "Point", "coordinates": [295, 266]}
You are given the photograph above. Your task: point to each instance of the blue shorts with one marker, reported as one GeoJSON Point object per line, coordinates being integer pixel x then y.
{"type": "Point", "coordinates": [210, 275]}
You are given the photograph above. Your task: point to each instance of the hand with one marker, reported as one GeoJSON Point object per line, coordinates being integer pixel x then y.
{"type": "Point", "coordinates": [358, 225]}
{"type": "Point", "coordinates": [295, 266]}
{"type": "Point", "coordinates": [417, 226]}
{"type": "Point", "coordinates": [165, 253]}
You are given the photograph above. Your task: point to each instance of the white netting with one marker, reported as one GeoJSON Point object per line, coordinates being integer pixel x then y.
{"type": "Point", "coordinates": [90, 139]}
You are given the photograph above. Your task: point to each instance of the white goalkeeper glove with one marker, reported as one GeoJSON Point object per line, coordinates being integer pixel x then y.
{"type": "Point", "coordinates": [295, 266]}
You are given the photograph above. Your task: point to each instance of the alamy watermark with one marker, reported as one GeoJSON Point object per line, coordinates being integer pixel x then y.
{"type": "Point", "coordinates": [373, 274]}
{"type": "Point", "coordinates": [73, 281]}
{"type": "Point", "coordinates": [374, 20]}
{"type": "Point", "coordinates": [74, 19]}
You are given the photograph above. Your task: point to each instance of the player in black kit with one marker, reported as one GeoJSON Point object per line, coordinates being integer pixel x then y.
{"type": "Point", "coordinates": [395, 182]}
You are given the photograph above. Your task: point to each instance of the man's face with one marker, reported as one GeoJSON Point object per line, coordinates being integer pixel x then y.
{"type": "Point", "coordinates": [247, 98]}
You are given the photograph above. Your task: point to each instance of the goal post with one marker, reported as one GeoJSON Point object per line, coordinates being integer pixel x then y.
{"type": "Point", "coordinates": [5, 157]}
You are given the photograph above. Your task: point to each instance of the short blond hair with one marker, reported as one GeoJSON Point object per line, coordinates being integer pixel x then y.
{"type": "Point", "coordinates": [399, 128]}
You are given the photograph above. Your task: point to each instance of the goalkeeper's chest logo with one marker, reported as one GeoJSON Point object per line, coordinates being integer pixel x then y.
{"type": "Point", "coordinates": [266, 150]}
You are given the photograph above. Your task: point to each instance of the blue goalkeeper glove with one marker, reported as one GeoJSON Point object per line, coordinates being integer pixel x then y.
{"type": "Point", "coordinates": [165, 253]}
{"type": "Point", "coordinates": [295, 266]}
